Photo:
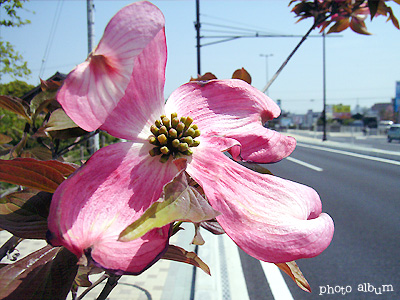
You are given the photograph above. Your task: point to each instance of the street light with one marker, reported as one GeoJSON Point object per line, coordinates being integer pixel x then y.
{"type": "Point", "coordinates": [266, 65]}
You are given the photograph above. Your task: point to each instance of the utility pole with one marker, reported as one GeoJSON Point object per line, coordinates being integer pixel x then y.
{"type": "Point", "coordinates": [323, 87]}
{"type": "Point", "coordinates": [197, 26]}
{"type": "Point", "coordinates": [90, 24]}
{"type": "Point", "coordinates": [94, 144]}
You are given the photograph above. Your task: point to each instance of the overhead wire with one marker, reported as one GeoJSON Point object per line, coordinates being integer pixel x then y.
{"type": "Point", "coordinates": [249, 27]}
{"type": "Point", "coordinates": [50, 40]}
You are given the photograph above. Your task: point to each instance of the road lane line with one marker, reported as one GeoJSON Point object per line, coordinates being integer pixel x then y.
{"type": "Point", "coordinates": [300, 162]}
{"type": "Point", "coordinates": [374, 158]}
{"type": "Point", "coordinates": [237, 281]}
{"type": "Point", "coordinates": [277, 284]}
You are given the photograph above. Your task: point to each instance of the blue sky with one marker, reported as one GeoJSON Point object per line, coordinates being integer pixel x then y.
{"type": "Point", "coordinates": [360, 69]}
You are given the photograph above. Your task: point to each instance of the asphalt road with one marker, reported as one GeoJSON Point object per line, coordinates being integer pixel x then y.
{"type": "Point", "coordinates": [363, 198]}
{"type": "Point", "coordinates": [356, 139]}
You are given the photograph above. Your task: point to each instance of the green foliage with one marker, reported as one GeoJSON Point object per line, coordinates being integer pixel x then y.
{"type": "Point", "coordinates": [12, 19]}
{"type": "Point", "coordinates": [11, 124]}
{"type": "Point", "coordinates": [11, 62]}
{"type": "Point", "coordinates": [15, 88]}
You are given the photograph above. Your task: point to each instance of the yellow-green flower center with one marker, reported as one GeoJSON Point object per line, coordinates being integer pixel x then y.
{"type": "Point", "coordinates": [173, 137]}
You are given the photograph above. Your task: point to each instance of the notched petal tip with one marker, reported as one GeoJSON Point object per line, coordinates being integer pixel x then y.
{"type": "Point", "coordinates": [94, 88]}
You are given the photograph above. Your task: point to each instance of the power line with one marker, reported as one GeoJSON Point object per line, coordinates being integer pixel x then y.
{"type": "Point", "coordinates": [232, 27]}
{"type": "Point", "coordinates": [254, 28]}
{"type": "Point", "coordinates": [50, 40]}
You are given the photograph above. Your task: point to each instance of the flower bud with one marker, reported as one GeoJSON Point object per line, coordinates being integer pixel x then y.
{"type": "Point", "coordinates": [162, 139]}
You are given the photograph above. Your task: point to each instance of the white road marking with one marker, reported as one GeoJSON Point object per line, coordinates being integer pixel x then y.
{"type": "Point", "coordinates": [237, 282]}
{"type": "Point", "coordinates": [374, 158]}
{"type": "Point", "coordinates": [277, 284]}
{"type": "Point", "coordinates": [300, 162]}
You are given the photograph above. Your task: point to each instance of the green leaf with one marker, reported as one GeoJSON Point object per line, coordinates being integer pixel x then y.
{"type": "Point", "coordinates": [15, 105]}
{"type": "Point", "coordinates": [39, 152]}
{"type": "Point", "coordinates": [46, 274]}
{"type": "Point", "coordinates": [59, 121]}
{"type": "Point", "coordinates": [67, 133]}
{"type": "Point", "coordinates": [176, 253]}
{"type": "Point", "coordinates": [293, 270]}
{"type": "Point", "coordinates": [42, 100]}
{"type": "Point", "coordinates": [182, 202]}
{"type": "Point", "coordinates": [41, 175]}
{"type": "Point", "coordinates": [24, 213]}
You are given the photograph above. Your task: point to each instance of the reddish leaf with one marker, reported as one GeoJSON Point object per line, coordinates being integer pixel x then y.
{"type": "Point", "coordinates": [292, 269]}
{"type": "Point", "coordinates": [373, 7]}
{"type": "Point", "coordinates": [45, 274]}
{"type": "Point", "coordinates": [82, 277]}
{"type": "Point", "coordinates": [176, 253]}
{"type": "Point", "coordinates": [213, 227]}
{"type": "Point", "coordinates": [4, 139]}
{"type": "Point", "coordinates": [358, 26]}
{"type": "Point", "coordinates": [340, 25]}
{"type": "Point", "coordinates": [42, 175]}
{"type": "Point", "coordinates": [15, 105]}
{"type": "Point", "coordinates": [50, 85]}
{"type": "Point", "coordinates": [242, 74]}
{"type": "Point", "coordinates": [207, 76]}
{"type": "Point", "coordinates": [393, 18]}
{"type": "Point", "coordinates": [24, 213]}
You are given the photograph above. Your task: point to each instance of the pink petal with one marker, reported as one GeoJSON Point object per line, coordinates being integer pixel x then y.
{"type": "Point", "coordinates": [90, 209]}
{"type": "Point", "coordinates": [233, 108]}
{"type": "Point", "coordinates": [94, 88]}
{"type": "Point", "coordinates": [143, 101]}
{"type": "Point", "coordinates": [270, 218]}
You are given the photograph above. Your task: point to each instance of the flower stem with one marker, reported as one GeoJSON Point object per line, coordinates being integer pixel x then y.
{"type": "Point", "coordinates": [110, 285]}
{"type": "Point", "coordinates": [9, 246]}
{"type": "Point", "coordinates": [100, 280]}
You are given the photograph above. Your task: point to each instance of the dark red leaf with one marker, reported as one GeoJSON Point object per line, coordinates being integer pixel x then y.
{"type": "Point", "coordinates": [24, 213]}
{"type": "Point", "coordinates": [373, 7]}
{"type": "Point", "coordinates": [15, 105]}
{"type": "Point", "coordinates": [293, 270]}
{"type": "Point", "coordinates": [42, 175]}
{"type": "Point", "coordinates": [176, 253]}
{"type": "Point", "coordinates": [46, 274]}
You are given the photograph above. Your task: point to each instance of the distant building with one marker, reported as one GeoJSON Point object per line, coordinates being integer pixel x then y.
{"type": "Point", "coordinates": [383, 111]}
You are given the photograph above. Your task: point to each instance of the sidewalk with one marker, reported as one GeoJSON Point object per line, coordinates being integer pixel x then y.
{"type": "Point", "coordinates": [169, 280]}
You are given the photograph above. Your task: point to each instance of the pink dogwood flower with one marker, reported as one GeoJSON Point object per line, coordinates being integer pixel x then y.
{"type": "Point", "coordinates": [119, 89]}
